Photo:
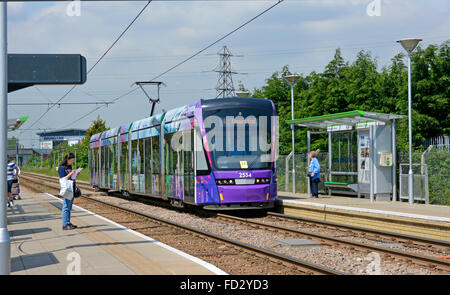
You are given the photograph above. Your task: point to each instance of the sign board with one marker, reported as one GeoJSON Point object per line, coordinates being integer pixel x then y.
{"type": "Point", "coordinates": [47, 145]}
{"type": "Point", "coordinates": [366, 125]}
{"type": "Point", "coordinates": [339, 128]}
{"type": "Point", "coordinates": [26, 70]}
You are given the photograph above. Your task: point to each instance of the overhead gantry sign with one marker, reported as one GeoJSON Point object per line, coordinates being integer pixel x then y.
{"type": "Point", "coordinates": [26, 70]}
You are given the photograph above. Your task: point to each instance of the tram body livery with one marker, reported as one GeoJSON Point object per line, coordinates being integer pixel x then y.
{"type": "Point", "coordinates": [201, 154]}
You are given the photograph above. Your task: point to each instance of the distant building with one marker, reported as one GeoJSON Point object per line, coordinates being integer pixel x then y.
{"type": "Point", "coordinates": [51, 139]}
{"type": "Point", "coordinates": [23, 154]}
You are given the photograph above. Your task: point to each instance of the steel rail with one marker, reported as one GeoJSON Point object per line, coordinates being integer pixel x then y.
{"type": "Point", "coordinates": [395, 235]}
{"type": "Point", "coordinates": [418, 257]}
{"type": "Point", "coordinates": [412, 256]}
{"type": "Point", "coordinates": [303, 264]}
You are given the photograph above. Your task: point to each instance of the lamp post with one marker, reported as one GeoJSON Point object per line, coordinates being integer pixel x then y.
{"type": "Point", "coordinates": [292, 80]}
{"type": "Point", "coordinates": [5, 242]}
{"type": "Point", "coordinates": [409, 45]}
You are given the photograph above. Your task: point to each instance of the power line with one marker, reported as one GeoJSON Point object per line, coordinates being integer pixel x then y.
{"type": "Point", "coordinates": [98, 61]}
{"type": "Point", "coordinates": [217, 41]}
{"type": "Point", "coordinates": [187, 59]}
{"type": "Point", "coordinates": [58, 103]}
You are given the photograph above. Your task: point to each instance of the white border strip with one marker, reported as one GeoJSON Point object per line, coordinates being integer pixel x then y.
{"type": "Point", "coordinates": [365, 210]}
{"type": "Point", "coordinates": [203, 263]}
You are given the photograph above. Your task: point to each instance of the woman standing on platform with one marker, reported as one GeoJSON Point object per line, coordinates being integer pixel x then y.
{"type": "Point", "coordinates": [65, 170]}
{"type": "Point", "coordinates": [314, 174]}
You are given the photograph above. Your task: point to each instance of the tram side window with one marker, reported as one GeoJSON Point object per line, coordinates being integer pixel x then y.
{"type": "Point", "coordinates": [92, 164]}
{"type": "Point", "coordinates": [134, 165]}
{"type": "Point", "coordinates": [124, 165]}
{"type": "Point", "coordinates": [156, 166]}
{"type": "Point", "coordinates": [200, 155]}
{"type": "Point", "coordinates": [102, 163]}
{"type": "Point", "coordinates": [107, 165]}
{"type": "Point", "coordinates": [141, 165]}
{"type": "Point", "coordinates": [148, 164]}
{"type": "Point", "coordinates": [112, 160]}
{"type": "Point", "coordinates": [96, 165]}
{"type": "Point", "coordinates": [169, 164]}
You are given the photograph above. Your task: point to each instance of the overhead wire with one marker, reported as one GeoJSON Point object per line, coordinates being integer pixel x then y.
{"type": "Point", "coordinates": [187, 59]}
{"type": "Point", "coordinates": [97, 62]}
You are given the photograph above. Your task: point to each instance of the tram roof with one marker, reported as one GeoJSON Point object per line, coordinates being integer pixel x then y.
{"type": "Point", "coordinates": [350, 118]}
{"type": "Point", "coordinates": [146, 122]}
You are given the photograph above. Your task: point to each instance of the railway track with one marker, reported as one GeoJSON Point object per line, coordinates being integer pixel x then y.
{"type": "Point", "coordinates": [409, 257]}
{"type": "Point", "coordinates": [271, 256]}
{"type": "Point", "coordinates": [421, 259]}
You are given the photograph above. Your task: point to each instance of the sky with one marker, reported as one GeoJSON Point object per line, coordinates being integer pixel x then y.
{"type": "Point", "coordinates": [303, 34]}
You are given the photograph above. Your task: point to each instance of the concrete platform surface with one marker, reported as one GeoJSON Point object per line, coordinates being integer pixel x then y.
{"type": "Point", "coordinates": [97, 246]}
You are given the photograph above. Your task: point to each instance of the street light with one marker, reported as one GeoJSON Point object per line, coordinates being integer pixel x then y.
{"type": "Point", "coordinates": [292, 80]}
{"type": "Point", "coordinates": [409, 45]}
{"type": "Point", "coordinates": [5, 242]}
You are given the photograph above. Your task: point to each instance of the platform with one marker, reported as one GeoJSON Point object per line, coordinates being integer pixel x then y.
{"type": "Point", "coordinates": [432, 221]}
{"type": "Point", "coordinates": [97, 246]}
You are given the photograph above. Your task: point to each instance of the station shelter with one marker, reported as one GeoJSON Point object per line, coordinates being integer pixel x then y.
{"type": "Point", "coordinates": [361, 150]}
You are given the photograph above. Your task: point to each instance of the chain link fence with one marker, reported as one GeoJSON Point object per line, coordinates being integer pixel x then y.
{"type": "Point", "coordinates": [301, 172]}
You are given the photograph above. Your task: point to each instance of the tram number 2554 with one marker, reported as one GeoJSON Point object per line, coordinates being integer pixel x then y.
{"type": "Point", "coordinates": [244, 174]}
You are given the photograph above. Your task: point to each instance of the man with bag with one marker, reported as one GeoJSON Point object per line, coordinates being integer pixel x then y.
{"type": "Point", "coordinates": [67, 189]}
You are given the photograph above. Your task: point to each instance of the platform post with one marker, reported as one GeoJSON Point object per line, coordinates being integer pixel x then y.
{"type": "Point", "coordinates": [308, 146]}
{"type": "Point", "coordinates": [330, 160]}
{"type": "Point", "coordinates": [410, 171]}
{"type": "Point", "coordinates": [5, 242]}
{"type": "Point", "coordinates": [372, 162]}
{"type": "Point", "coordinates": [394, 164]}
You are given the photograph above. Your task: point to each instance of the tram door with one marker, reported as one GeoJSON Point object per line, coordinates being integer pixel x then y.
{"type": "Point", "coordinates": [188, 166]}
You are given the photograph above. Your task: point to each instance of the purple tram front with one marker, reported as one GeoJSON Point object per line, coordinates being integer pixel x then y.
{"type": "Point", "coordinates": [218, 154]}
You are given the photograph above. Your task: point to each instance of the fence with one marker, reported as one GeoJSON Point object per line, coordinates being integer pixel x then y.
{"type": "Point", "coordinates": [420, 182]}
{"type": "Point", "coordinates": [301, 172]}
{"type": "Point", "coordinates": [442, 143]}
{"type": "Point", "coordinates": [438, 166]}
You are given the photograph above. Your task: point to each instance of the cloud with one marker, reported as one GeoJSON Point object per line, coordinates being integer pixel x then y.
{"type": "Point", "coordinates": [303, 34]}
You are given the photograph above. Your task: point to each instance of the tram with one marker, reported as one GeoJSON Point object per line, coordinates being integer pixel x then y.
{"type": "Point", "coordinates": [218, 154]}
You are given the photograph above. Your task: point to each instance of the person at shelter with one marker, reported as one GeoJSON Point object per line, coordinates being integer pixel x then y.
{"type": "Point", "coordinates": [314, 174]}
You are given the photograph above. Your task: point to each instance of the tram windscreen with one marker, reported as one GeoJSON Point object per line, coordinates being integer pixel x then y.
{"type": "Point", "coordinates": [239, 138]}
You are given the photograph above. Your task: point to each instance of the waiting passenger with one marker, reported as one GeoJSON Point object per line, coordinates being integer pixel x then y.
{"type": "Point", "coordinates": [314, 174]}
{"type": "Point", "coordinates": [65, 170]}
{"type": "Point", "coordinates": [12, 174]}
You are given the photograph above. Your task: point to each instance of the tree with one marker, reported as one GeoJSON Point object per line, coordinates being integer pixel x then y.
{"type": "Point", "coordinates": [82, 148]}
{"type": "Point", "coordinates": [361, 86]}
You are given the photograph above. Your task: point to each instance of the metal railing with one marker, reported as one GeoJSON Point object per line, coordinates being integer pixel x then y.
{"type": "Point", "coordinates": [420, 183]}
